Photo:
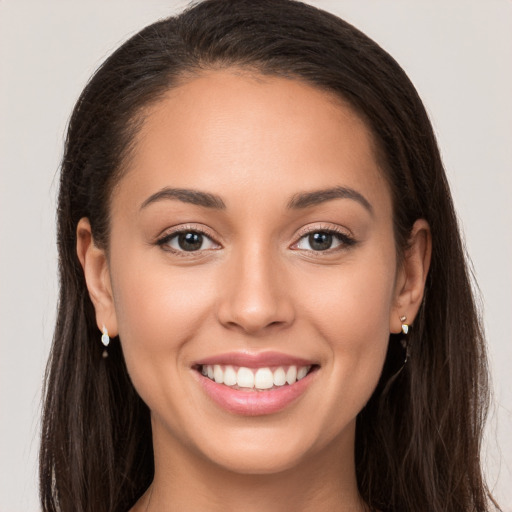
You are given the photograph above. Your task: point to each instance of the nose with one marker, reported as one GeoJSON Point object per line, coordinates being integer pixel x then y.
{"type": "Point", "coordinates": [254, 296]}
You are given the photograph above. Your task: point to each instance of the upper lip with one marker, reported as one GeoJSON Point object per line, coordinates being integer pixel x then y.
{"type": "Point", "coordinates": [255, 360]}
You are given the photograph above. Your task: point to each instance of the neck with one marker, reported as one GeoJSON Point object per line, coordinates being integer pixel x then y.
{"type": "Point", "coordinates": [185, 481]}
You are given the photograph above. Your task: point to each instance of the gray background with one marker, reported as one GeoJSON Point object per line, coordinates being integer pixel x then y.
{"type": "Point", "coordinates": [458, 54]}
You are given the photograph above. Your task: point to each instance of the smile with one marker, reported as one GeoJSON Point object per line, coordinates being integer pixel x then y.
{"type": "Point", "coordinates": [257, 379]}
{"type": "Point", "coordinates": [255, 384]}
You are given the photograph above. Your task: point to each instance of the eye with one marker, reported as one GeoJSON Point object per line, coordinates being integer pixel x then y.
{"type": "Point", "coordinates": [323, 240]}
{"type": "Point", "coordinates": [187, 241]}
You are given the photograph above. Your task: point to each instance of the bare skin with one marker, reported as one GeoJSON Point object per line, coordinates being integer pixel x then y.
{"type": "Point", "coordinates": [256, 281]}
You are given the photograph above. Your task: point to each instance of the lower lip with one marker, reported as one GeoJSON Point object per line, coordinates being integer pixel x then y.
{"type": "Point", "coordinates": [254, 403]}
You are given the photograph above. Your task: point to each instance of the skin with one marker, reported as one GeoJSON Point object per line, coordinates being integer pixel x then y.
{"type": "Point", "coordinates": [255, 142]}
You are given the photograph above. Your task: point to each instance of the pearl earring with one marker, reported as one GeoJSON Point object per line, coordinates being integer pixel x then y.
{"type": "Point", "coordinates": [105, 339]}
{"type": "Point", "coordinates": [405, 327]}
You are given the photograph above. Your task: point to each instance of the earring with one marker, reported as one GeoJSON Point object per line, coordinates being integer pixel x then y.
{"type": "Point", "coordinates": [405, 327]}
{"type": "Point", "coordinates": [105, 339]}
{"type": "Point", "coordinates": [404, 341]}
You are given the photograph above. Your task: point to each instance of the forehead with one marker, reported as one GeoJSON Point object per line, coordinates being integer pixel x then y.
{"type": "Point", "coordinates": [243, 135]}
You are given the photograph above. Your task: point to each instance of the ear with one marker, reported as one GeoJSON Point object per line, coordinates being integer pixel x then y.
{"type": "Point", "coordinates": [97, 277]}
{"type": "Point", "coordinates": [411, 278]}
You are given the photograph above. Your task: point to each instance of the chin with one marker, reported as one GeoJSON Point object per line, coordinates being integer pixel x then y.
{"type": "Point", "coordinates": [253, 459]}
{"type": "Point", "coordinates": [267, 450]}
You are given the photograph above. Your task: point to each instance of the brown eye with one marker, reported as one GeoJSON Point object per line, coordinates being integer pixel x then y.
{"type": "Point", "coordinates": [188, 241]}
{"type": "Point", "coordinates": [320, 241]}
{"type": "Point", "coordinates": [324, 240]}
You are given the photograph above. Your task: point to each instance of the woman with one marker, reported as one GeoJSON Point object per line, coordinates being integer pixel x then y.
{"type": "Point", "coordinates": [263, 303]}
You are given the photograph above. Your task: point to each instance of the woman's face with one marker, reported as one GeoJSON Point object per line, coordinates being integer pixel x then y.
{"type": "Point", "coordinates": [252, 239]}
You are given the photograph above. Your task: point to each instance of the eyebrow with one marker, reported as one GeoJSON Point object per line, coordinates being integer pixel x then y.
{"type": "Point", "coordinates": [298, 201]}
{"type": "Point", "coordinates": [185, 195]}
{"type": "Point", "coordinates": [307, 199]}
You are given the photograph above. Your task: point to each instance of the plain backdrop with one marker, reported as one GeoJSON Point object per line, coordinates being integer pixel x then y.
{"type": "Point", "coordinates": [458, 54]}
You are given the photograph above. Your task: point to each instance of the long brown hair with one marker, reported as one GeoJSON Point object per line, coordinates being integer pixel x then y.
{"type": "Point", "coordinates": [418, 438]}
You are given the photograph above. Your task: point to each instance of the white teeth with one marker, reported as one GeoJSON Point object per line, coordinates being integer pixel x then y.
{"type": "Point", "coordinates": [291, 375]}
{"type": "Point", "coordinates": [301, 373]}
{"type": "Point", "coordinates": [218, 374]}
{"type": "Point", "coordinates": [264, 379]}
{"type": "Point", "coordinates": [279, 377]}
{"type": "Point", "coordinates": [229, 376]}
{"type": "Point", "coordinates": [261, 378]}
{"type": "Point", "coordinates": [245, 378]}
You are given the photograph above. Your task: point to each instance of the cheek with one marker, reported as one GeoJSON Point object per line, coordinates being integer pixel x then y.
{"type": "Point", "coordinates": [355, 303]}
{"type": "Point", "coordinates": [159, 309]}
{"type": "Point", "coordinates": [351, 313]}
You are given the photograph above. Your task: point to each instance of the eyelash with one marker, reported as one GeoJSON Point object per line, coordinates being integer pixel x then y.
{"type": "Point", "coordinates": [162, 242]}
{"type": "Point", "coordinates": [345, 239]}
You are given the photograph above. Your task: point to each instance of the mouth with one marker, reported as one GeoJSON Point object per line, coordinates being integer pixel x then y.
{"type": "Point", "coordinates": [243, 378]}
{"type": "Point", "coordinates": [255, 384]}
